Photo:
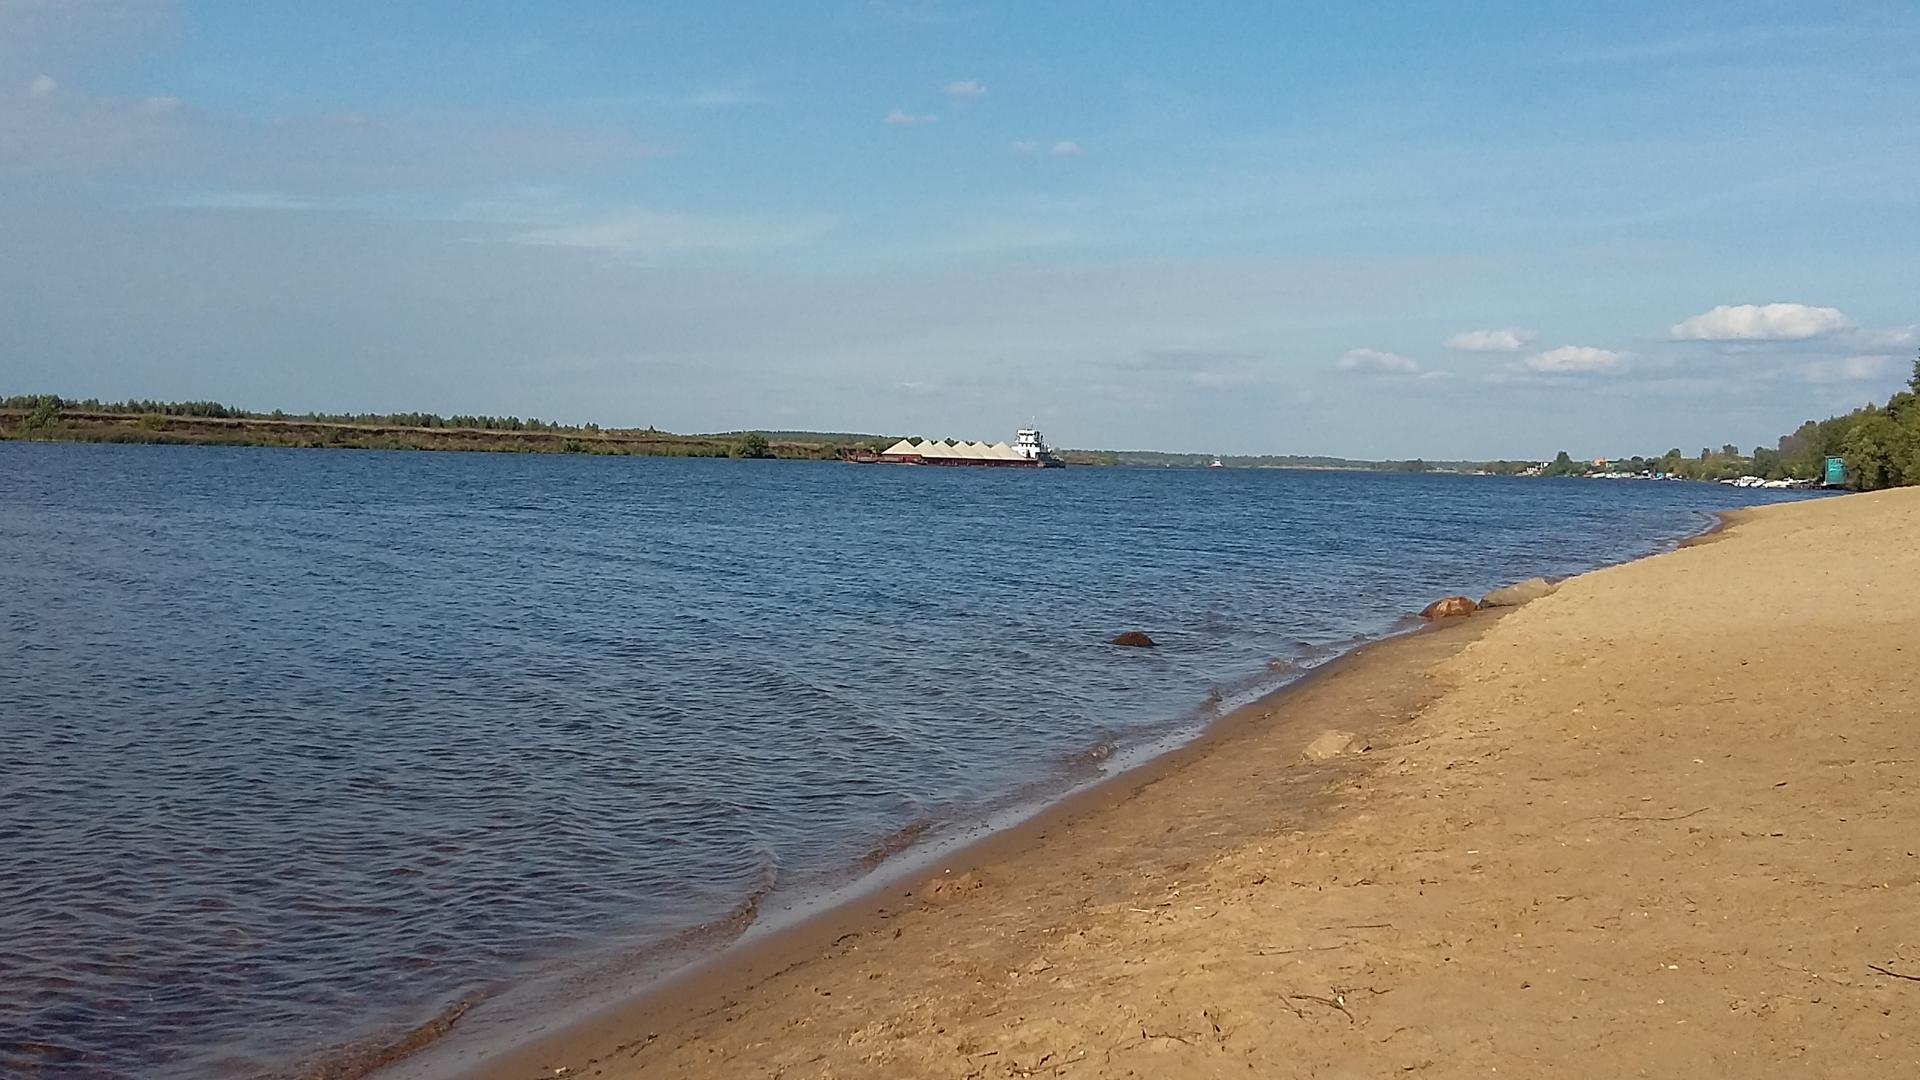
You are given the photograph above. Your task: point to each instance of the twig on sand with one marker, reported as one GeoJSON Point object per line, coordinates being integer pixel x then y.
{"type": "Point", "coordinates": [1360, 926]}
{"type": "Point", "coordinates": [1337, 1002]}
{"type": "Point", "coordinates": [1145, 1034]}
{"type": "Point", "coordinates": [1894, 974]}
{"type": "Point", "coordinates": [1666, 817]}
{"type": "Point", "coordinates": [1301, 949]}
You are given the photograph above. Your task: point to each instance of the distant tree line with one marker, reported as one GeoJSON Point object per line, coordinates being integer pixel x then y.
{"type": "Point", "coordinates": [1879, 443]}
{"type": "Point", "coordinates": [49, 416]}
{"type": "Point", "coordinates": [214, 410]}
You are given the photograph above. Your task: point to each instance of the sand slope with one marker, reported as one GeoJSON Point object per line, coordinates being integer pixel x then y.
{"type": "Point", "coordinates": [1664, 822]}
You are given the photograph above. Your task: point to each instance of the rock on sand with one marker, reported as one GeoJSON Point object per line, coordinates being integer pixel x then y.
{"type": "Point", "coordinates": [1519, 593]}
{"type": "Point", "coordinates": [1330, 744]}
{"type": "Point", "coordinates": [1449, 606]}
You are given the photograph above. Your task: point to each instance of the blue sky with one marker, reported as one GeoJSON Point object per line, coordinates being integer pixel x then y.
{"type": "Point", "coordinates": [1364, 229]}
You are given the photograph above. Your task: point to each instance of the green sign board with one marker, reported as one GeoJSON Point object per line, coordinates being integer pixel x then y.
{"type": "Point", "coordinates": [1836, 471]}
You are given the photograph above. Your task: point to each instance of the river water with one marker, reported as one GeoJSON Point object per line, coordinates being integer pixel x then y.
{"type": "Point", "coordinates": [299, 747]}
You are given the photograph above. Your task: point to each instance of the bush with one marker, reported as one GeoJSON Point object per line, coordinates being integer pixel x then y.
{"type": "Point", "coordinates": [46, 410]}
{"type": "Point", "coordinates": [752, 445]}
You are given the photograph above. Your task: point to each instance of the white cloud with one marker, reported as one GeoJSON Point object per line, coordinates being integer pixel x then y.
{"type": "Point", "coordinates": [160, 106]}
{"type": "Point", "coordinates": [1509, 339]}
{"type": "Point", "coordinates": [41, 86]}
{"type": "Point", "coordinates": [1849, 369]}
{"type": "Point", "coordinates": [1065, 148]}
{"type": "Point", "coordinates": [903, 118]}
{"type": "Point", "coordinates": [966, 89]}
{"type": "Point", "coordinates": [1024, 147]}
{"type": "Point", "coordinates": [1375, 360]}
{"type": "Point", "coordinates": [1574, 359]}
{"type": "Point", "coordinates": [651, 233]}
{"type": "Point", "coordinates": [1761, 322]}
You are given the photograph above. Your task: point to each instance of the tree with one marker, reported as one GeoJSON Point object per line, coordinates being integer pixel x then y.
{"type": "Point", "coordinates": [752, 445]}
{"type": "Point", "coordinates": [1562, 465]}
{"type": "Point", "coordinates": [1878, 452]}
{"type": "Point", "coordinates": [46, 409]}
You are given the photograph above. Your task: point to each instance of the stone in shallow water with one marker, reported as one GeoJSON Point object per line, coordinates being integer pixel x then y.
{"type": "Point", "coordinates": [1133, 638]}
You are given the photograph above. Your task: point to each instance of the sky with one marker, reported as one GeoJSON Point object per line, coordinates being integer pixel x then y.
{"type": "Point", "coordinates": [1372, 230]}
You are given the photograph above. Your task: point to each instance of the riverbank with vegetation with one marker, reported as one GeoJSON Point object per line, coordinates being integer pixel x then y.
{"type": "Point", "coordinates": [205, 423]}
{"type": "Point", "coordinates": [1879, 443]}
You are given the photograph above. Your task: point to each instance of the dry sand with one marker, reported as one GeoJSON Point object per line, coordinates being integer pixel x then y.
{"type": "Point", "coordinates": [1664, 822]}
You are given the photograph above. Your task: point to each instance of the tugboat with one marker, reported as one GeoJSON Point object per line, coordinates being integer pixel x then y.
{"type": "Point", "coordinates": [1028, 444]}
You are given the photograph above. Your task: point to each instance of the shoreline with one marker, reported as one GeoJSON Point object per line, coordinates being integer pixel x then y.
{"type": "Point", "coordinates": [1143, 901]}
{"type": "Point", "coordinates": [703, 986]}
{"type": "Point", "coordinates": [872, 898]}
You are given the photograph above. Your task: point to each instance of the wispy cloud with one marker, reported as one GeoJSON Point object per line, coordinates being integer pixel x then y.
{"type": "Point", "coordinates": [42, 86]}
{"type": "Point", "coordinates": [647, 233]}
{"type": "Point", "coordinates": [1847, 369]}
{"type": "Point", "coordinates": [924, 13]}
{"type": "Point", "coordinates": [1717, 41]}
{"type": "Point", "coordinates": [1038, 147]}
{"type": "Point", "coordinates": [242, 200]}
{"type": "Point", "coordinates": [1898, 337]}
{"type": "Point", "coordinates": [1761, 322]}
{"type": "Point", "coordinates": [1509, 339]}
{"type": "Point", "coordinates": [725, 97]}
{"type": "Point", "coordinates": [903, 118]}
{"type": "Point", "coordinates": [1376, 360]}
{"type": "Point", "coordinates": [989, 237]}
{"type": "Point", "coordinates": [1575, 360]}
{"type": "Point", "coordinates": [963, 90]}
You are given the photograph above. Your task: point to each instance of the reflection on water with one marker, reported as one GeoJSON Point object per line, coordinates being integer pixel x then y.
{"type": "Point", "coordinates": [299, 747]}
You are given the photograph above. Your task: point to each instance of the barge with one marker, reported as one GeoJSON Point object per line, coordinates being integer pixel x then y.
{"type": "Point", "coordinates": [1029, 451]}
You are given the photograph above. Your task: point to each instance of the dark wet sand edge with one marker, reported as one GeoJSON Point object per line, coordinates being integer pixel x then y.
{"type": "Point", "coordinates": [677, 1002]}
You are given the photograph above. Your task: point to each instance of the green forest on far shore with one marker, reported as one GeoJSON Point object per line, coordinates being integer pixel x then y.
{"type": "Point", "coordinates": [1879, 443]}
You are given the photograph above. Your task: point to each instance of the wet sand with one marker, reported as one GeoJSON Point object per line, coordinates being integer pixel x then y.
{"type": "Point", "coordinates": [1663, 822]}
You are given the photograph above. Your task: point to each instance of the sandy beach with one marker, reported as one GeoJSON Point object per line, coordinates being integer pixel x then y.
{"type": "Point", "coordinates": [1662, 822]}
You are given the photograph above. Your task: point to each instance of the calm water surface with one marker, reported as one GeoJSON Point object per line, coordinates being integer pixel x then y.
{"type": "Point", "coordinates": [298, 747]}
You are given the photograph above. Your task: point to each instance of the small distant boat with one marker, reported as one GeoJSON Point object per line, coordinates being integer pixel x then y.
{"type": "Point", "coordinates": [1216, 463]}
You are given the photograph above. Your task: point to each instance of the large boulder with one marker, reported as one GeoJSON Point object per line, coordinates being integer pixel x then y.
{"type": "Point", "coordinates": [1136, 639]}
{"type": "Point", "coordinates": [1519, 593]}
{"type": "Point", "coordinates": [1448, 607]}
